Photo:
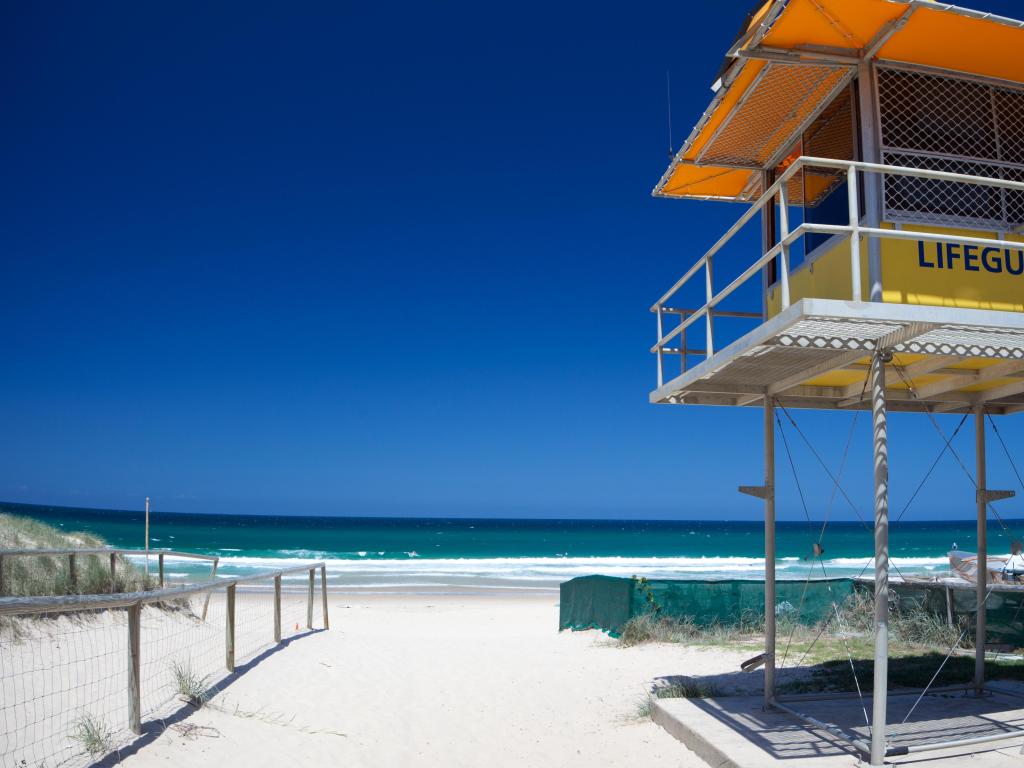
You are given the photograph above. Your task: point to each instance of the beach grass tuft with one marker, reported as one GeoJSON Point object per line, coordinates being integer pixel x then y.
{"type": "Point", "coordinates": [194, 688]}
{"type": "Point", "coordinates": [93, 735]}
{"type": "Point", "coordinates": [677, 689]}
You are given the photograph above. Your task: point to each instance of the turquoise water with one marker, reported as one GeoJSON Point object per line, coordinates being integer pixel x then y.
{"type": "Point", "coordinates": [412, 554]}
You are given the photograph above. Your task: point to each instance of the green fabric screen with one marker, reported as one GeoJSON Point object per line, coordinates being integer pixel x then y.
{"type": "Point", "coordinates": [605, 602]}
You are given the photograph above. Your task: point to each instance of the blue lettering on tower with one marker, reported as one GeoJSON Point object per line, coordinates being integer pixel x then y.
{"type": "Point", "coordinates": [971, 258]}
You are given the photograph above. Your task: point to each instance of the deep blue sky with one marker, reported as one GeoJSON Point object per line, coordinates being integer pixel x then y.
{"type": "Point", "coordinates": [369, 259]}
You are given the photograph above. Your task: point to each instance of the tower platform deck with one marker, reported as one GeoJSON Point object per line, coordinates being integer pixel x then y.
{"type": "Point", "coordinates": [816, 354]}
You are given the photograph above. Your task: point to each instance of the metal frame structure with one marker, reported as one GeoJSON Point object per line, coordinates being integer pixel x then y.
{"type": "Point", "coordinates": [809, 337]}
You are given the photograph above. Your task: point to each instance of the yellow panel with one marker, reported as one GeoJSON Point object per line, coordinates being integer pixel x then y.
{"type": "Point", "coordinates": [828, 277]}
{"type": "Point", "coordinates": [833, 23]}
{"type": "Point", "coordinates": [951, 274]}
{"type": "Point", "coordinates": [938, 38]}
{"type": "Point", "coordinates": [992, 384]}
{"type": "Point", "coordinates": [702, 181]}
{"type": "Point", "coordinates": [975, 363]}
{"type": "Point", "coordinates": [988, 278]}
{"type": "Point", "coordinates": [931, 36]}
{"type": "Point", "coordinates": [835, 379]}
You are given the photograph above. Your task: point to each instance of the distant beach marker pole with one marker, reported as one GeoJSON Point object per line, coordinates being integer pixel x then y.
{"type": "Point", "coordinates": [147, 538]}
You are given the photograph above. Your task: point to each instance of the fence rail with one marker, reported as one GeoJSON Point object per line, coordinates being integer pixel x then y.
{"type": "Point", "coordinates": [939, 189]}
{"type": "Point", "coordinates": [71, 665]}
{"type": "Point", "coordinates": [73, 554]}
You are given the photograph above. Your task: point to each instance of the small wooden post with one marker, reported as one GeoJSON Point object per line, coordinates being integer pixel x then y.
{"type": "Point", "coordinates": [323, 592]}
{"type": "Point", "coordinates": [72, 578]}
{"type": "Point", "coordinates": [213, 575]}
{"type": "Point", "coordinates": [277, 608]}
{"type": "Point", "coordinates": [113, 571]}
{"type": "Point", "coordinates": [229, 630]}
{"type": "Point", "coordinates": [309, 600]}
{"type": "Point", "coordinates": [1, 574]}
{"type": "Point", "coordinates": [134, 644]}
{"type": "Point", "coordinates": [160, 557]}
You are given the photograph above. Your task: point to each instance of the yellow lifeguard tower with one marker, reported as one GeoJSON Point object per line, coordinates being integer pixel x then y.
{"type": "Point", "coordinates": [879, 146]}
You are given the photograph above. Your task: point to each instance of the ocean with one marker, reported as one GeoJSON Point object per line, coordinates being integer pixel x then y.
{"type": "Point", "coordinates": [459, 555]}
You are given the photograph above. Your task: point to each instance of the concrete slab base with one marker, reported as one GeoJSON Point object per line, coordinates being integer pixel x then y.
{"type": "Point", "coordinates": [735, 731]}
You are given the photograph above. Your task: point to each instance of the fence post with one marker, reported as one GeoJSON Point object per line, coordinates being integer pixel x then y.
{"type": "Point", "coordinates": [277, 608]}
{"type": "Point", "coordinates": [113, 571]}
{"type": "Point", "coordinates": [309, 599]}
{"type": "Point", "coordinates": [72, 579]}
{"type": "Point", "coordinates": [134, 636]}
{"type": "Point", "coordinates": [213, 575]}
{"type": "Point", "coordinates": [229, 630]}
{"type": "Point", "coordinates": [160, 558]}
{"type": "Point", "coordinates": [323, 591]}
{"type": "Point", "coordinates": [1, 574]}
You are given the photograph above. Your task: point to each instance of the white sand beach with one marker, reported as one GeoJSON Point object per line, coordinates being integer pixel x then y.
{"type": "Point", "coordinates": [438, 681]}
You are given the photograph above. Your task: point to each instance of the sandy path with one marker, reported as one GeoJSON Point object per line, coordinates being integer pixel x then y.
{"type": "Point", "coordinates": [430, 681]}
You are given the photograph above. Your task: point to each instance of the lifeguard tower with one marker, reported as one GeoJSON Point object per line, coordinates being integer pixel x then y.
{"type": "Point", "coordinates": [879, 147]}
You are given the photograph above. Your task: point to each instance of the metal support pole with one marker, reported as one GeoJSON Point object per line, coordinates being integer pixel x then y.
{"type": "Point", "coordinates": [768, 240]}
{"type": "Point", "coordinates": [854, 206]}
{"type": "Point", "coordinates": [982, 579]}
{"type": "Point", "coordinates": [323, 594]}
{"type": "Point", "coordinates": [784, 256]}
{"type": "Point", "coordinates": [881, 461]}
{"type": "Point", "coordinates": [134, 644]}
{"type": "Point", "coordinates": [229, 630]}
{"type": "Point", "coordinates": [309, 600]}
{"type": "Point", "coordinates": [661, 372]}
{"type": "Point", "coordinates": [871, 152]}
{"type": "Point", "coordinates": [277, 609]}
{"type": "Point", "coordinates": [769, 552]}
{"type": "Point", "coordinates": [709, 346]}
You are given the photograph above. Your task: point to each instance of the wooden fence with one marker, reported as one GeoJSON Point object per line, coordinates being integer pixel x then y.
{"type": "Point", "coordinates": [133, 602]}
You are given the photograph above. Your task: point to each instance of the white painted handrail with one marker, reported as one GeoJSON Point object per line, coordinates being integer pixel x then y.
{"type": "Point", "coordinates": [853, 231]}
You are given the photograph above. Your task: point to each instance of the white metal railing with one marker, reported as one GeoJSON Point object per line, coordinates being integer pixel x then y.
{"type": "Point", "coordinates": [853, 231]}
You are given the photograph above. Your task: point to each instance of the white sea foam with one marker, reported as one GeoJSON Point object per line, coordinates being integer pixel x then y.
{"type": "Point", "coordinates": [552, 570]}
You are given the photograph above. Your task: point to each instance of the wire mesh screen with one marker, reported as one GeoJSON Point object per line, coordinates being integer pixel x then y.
{"type": "Point", "coordinates": [254, 621]}
{"type": "Point", "coordinates": [960, 126]}
{"type": "Point", "coordinates": [181, 654]}
{"type": "Point", "coordinates": [294, 609]}
{"type": "Point", "coordinates": [63, 686]}
{"type": "Point", "coordinates": [772, 111]}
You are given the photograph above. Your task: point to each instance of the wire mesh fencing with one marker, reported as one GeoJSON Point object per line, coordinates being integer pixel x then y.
{"type": "Point", "coordinates": [80, 675]}
{"type": "Point", "coordinates": [62, 687]}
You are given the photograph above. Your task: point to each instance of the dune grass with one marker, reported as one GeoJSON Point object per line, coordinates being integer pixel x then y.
{"type": "Point", "coordinates": [94, 735]}
{"type": "Point", "coordinates": [31, 576]}
{"type": "Point", "coordinates": [193, 688]}
{"type": "Point", "coordinates": [919, 642]}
